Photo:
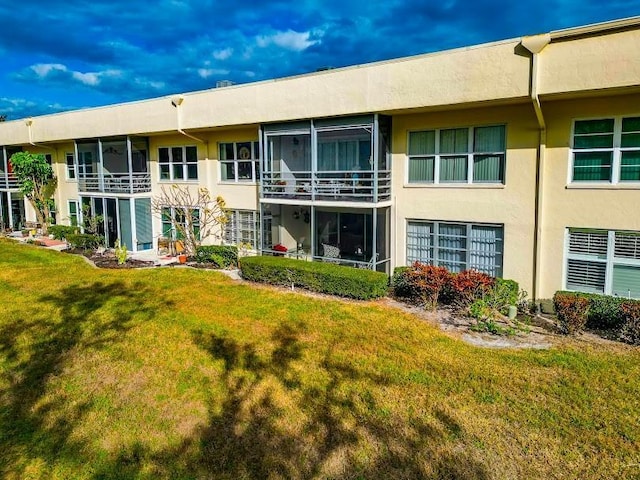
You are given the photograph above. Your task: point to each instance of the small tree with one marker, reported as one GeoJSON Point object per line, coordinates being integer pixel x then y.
{"type": "Point", "coordinates": [195, 216]}
{"type": "Point", "coordinates": [36, 182]}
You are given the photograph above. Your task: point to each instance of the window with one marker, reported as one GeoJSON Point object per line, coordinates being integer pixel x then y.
{"type": "Point", "coordinates": [243, 227]}
{"type": "Point", "coordinates": [457, 155]}
{"type": "Point", "coordinates": [606, 150]}
{"type": "Point", "coordinates": [175, 221]}
{"type": "Point", "coordinates": [71, 166]}
{"type": "Point", "coordinates": [239, 162]}
{"type": "Point", "coordinates": [74, 209]}
{"type": "Point", "coordinates": [178, 163]}
{"type": "Point", "coordinates": [602, 261]}
{"type": "Point", "coordinates": [457, 246]}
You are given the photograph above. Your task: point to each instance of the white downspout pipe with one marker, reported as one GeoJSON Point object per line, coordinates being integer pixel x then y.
{"type": "Point", "coordinates": [535, 45]}
{"type": "Point", "coordinates": [29, 122]}
{"type": "Point", "coordinates": [177, 102]}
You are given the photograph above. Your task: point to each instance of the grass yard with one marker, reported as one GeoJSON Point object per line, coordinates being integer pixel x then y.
{"type": "Point", "coordinates": [180, 373]}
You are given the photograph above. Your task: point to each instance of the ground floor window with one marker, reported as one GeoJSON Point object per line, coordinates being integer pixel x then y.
{"type": "Point", "coordinates": [243, 227]}
{"type": "Point", "coordinates": [457, 246]}
{"type": "Point", "coordinates": [176, 221]}
{"type": "Point", "coordinates": [74, 210]}
{"type": "Point", "coordinates": [603, 261]}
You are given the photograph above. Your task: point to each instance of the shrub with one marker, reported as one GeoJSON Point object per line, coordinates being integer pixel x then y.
{"type": "Point", "coordinates": [224, 256]}
{"type": "Point", "coordinates": [503, 294]}
{"type": "Point", "coordinates": [399, 284]}
{"type": "Point", "coordinates": [468, 286]}
{"type": "Point", "coordinates": [60, 232]}
{"type": "Point", "coordinates": [120, 252]}
{"type": "Point", "coordinates": [630, 331]}
{"type": "Point", "coordinates": [604, 310]}
{"type": "Point", "coordinates": [572, 311]}
{"type": "Point", "coordinates": [316, 276]}
{"type": "Point", "coordinates": [426, 283]}
{"type": "Point", "coordinates": [85, 241]}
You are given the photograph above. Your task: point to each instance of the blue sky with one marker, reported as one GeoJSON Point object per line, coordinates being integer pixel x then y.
{"type": "Point", "coordinates": [65, 54]}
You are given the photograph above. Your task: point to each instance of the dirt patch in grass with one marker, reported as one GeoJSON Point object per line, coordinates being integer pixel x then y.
{"type": "Point", "coordinates": [108, 259]}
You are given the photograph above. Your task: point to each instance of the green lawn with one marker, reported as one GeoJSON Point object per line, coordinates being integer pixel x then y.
{"type": "Point", "coordinates": [180, 373]}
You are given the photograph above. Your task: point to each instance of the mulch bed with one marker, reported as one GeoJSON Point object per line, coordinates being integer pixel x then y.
{"type": "Point", "coordinates": [108, 260]}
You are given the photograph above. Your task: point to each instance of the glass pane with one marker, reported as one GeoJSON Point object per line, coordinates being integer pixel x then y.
{"type": "Point", "coordinates": [326, 156]}
{"type": "Point", "coordinates": [631, 124]}
{"type": "Point", "coordinates": [419, 242]}
{"type": "Point", "coordinates": [176, 154]}
{"type": "Point", "coordinates": [488, 168]}
{"type": "Point", "coordinates": [485, 251]}
{"type": "Point", "coordinates": [192, 171]}
{"type": "Point", "coordinates": [626, 281]}
{"type": "Point", "coordinates": [592, 166]}
{"type": "Point", "coordinates": [630, 140]}
{"type": "Point", "coordinates": [489, 139]}
{"type": "Point", "coordinates": [244, 171]}
{"type": "Point", "coordinates": [593, 141]}
{"type": "Point", "coordinates": [454, 140]}
{"type": "Point", "coordinates": [228, 171]}
{"type": "Point", "coordinates": [586, 276]}
{"type": "Point", "coordinates": [226, 151]}
{"type": "Point", "coordinates": [421, 169]}
{"type": "Point", "coordinates": [422, 143]}
{"type": "Point", "coordinates": [244, 151]}
{"type": "Point", "coordinates": [452, 244]}
{"type": "Point", "coordinates": [594, 126]}
{"type": "Point", "coordinates": [192, 154]}
{"type": "Point", "coordinates": [178, 173]}
{"type": "Point", "coordinates": [453, 169]}
{"type": "Point", "coordinates": [164, 172]}
{"type": "Point", "coordinates": [163, 155]}
{"type": "Point", "coordinates": [256, 150]}
{"type": "Point", "coordinates": [630, 166]}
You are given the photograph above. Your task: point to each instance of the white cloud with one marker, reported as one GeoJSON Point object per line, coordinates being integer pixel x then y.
{"type": "Point", "coordinates": [223, 54]}
{"type": "Point", "coordinates": [89, 78]}
{"type": "Point", "coordinates": [208, 72]}
{"type": "Point", "coordinates": [43, 69]}
{"type": "Point", "coordinates": [290, 40]}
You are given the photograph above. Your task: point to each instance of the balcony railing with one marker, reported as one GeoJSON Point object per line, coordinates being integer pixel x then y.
{"type": "Point", "coordinates": [137, 182]}
{"type": "Point", "coordinates": [336, 185]}
{"type": "Point", "coordinates": [8, 181]}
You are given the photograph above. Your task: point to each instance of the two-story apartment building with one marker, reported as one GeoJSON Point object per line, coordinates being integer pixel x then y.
{"type": "Point", "coordinates": [520, 158]}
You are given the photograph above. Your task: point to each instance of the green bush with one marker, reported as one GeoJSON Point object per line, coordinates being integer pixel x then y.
{"type": "Point", "coordinates": [604, 310]}
{"type": "Point", "coordinates": [572, 310]}
{"type": "Point", "coordinates": [401, 288]}
{"type": "Point", "coordinates": [318, 277]}
{"type": "Point", "coordinates": [61, 232]}
{"type": "Point", "coordinates": [224, 256]}
{"type": "Point", "coordinates": [509, 290]}
{"type": "Point", "coordinates": [85, 241]}
{"type": "Point", "coordinates": [630, 331]}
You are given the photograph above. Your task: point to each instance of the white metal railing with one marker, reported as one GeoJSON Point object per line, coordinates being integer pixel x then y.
{"type": "Point", "coordinates": [338, 185]}
{"type": "Point", "coordinates": [8, 181]}
{"type": "Point", "coordinates": [134, 182]}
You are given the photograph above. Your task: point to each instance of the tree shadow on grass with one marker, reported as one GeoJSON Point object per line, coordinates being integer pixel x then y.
{"type": "Point", "coordinates": [37, 346]}
{"type": "Point", "coordinates": [284, 416]}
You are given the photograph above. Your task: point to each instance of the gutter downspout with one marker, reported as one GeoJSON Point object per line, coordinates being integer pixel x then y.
{"type": "Point", "coordinates": [535, 44]}
{"type": "Point", "coordinates": [29, 122]}
{"type": "Point", "coordinates": [176, 102]}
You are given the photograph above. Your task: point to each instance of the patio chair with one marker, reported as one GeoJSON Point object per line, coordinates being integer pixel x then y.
{"type": "Point", "coordinates": [330, 252]}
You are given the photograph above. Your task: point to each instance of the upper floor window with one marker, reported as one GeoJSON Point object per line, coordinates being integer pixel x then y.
{"type": "Point", "coordinates": [71, 166]}
{"type": "Point", "coordinates": [606, 150]}
{"type": "Point", "coordinates": [457, 155]}
{"type": "Point", "coordinates": [178, 163]}
{"type": "Point", "coordinates": [239, 162]}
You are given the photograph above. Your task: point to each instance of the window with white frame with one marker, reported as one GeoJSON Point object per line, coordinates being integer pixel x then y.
{"type": "Point", "coordinates": [74, 212]}
{"type": "Point", "coordinates": [71, 166]}
{"type": "Point", "coordinates": [457, 155]}
{"type": "Point", "coordinates": [457, 246]}
{"type": "Point", "coordinates": [243, 227]}
{"type": "Point", "coordinates": [239, 162]}
{"type": "Point", "coordinates": [176, 220]}
{"type": "Point", "coordinates": [178, 163]}
{"type": "Point", "coordinates": [603, 261]}
{"type": "Point", "coordinates": [606, 150]}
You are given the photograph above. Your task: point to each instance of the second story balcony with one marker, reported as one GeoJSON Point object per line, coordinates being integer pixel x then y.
{"type": "Point", "coordinates": [344, 159]}
{"type": "Point", "coordinates": [8, 181]}
{"type": "Point", "coordinates": [113, 165]}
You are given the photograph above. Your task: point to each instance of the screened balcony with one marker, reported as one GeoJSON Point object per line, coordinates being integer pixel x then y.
{"type": "Point", "coordinates": [113, 165]}
{"type": "Point", "coordinates": [8, 180]}
{"type": "Point", "coordinates": [335, 160]}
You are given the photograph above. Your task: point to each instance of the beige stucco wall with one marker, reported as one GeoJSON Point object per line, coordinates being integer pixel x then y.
{"type": "Point", "coordinates": [566, 205]}
{"type": "Point", "coordinates": [591, 63]}
{"type": "Point", "coordinates": [511, 204]}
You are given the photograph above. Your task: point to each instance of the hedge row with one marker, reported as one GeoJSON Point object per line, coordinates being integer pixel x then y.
{"type": "Point", "coordinates": [61, 232]}
{"type": "Point", "coordinates": [577, 310]}
{"type": "Point", "coordinates": [316, 276]}
{"type": "Point", "coordinates": [223, 256]}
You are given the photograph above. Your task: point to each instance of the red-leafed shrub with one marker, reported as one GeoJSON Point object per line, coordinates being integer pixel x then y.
{"type": "Point", "coordinates": [426, 282]}
{"type": "Point", "coordinates": [572, 311]}
{"type": "Point", "coordinates": [468, 286]}
{"type": "Point", "coordinates": [630, 331]}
